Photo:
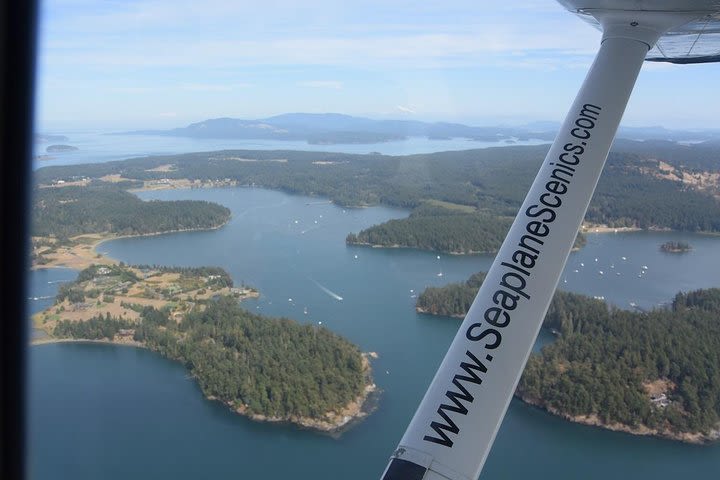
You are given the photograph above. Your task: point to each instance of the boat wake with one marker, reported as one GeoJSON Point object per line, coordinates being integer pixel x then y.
{"type": "Point", "coordinates": [303, 232]}
{"type": "Point", "coordinates": [328, 291]}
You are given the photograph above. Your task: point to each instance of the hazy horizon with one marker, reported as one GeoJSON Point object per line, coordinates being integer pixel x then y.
{"type": "Point", "coordinates": [59, 129]}
{"type": "Point", "coordinates": [162, 64]}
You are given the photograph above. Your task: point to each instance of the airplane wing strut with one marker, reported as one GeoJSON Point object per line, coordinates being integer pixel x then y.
{"type": "Point", "coordinates": [453, 429]}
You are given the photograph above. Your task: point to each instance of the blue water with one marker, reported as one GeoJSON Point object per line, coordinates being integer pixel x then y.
{"type": "Point", "coordinates": [44, 284]}
{"type": "Point", "coordinates": [101, 411]}
{"type": "Point", "coordinates": [96, 147]}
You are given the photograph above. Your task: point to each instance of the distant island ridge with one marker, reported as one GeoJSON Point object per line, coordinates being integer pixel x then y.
{"type": "Point", "coordinates": [48, 137]}
{"type": "Point", "coordinates": [61, 148]}
{"type": "Point", "coordinates": [335, 128]}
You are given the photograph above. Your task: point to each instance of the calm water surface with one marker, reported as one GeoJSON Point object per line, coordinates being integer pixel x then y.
{"type": "Point", "coordinates": [113, 412]}
{"type": "Point", "coordinates": [96, 147]}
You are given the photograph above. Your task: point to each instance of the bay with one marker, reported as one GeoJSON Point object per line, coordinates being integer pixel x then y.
{"type": "Point", "coordinates": [43, 286]}
{"type": "Point", "coordinates": [99, 411]}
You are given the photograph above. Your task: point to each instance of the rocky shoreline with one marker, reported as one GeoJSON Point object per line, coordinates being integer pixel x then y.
{"type": "Point", "coordinates": [334, 422]}
{"type": "Point", "coordinates": [82, 255]}
{"type": "Point", "coordinates": [696, 438]}
{"type": "Point", "coordinates": [428, 312]}
{"type": "Point", "coordinates": [397, 245]}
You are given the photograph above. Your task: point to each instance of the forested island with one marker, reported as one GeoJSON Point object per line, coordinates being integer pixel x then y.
{"type": "Point", "coordinates": [265, 368]}
{"type": "Point", "coordinates": [478, 189]}
{"type": "Point", "coordinates": [339, 128]}
{"type": "Point", "coordinates": [646, 373]}
{"type": "Point", "coordinates": [69, 221]}
{"type": "Point", "coordinates": [455, 231]}
{"type": "Point", "coordinates": [61, 148]}
{"type": "Point", "coordinates": [333, 128]}
{"type": "Point", "coordinates": [452, 300]}
{"type": "Point", "coordinates": [68, 211]}
{"type": "Point", "coordinates": [675, 247]}
{"type": "Point", "coordinates": [651, 373]}
{"type": "Point", "coordinates": [442, 227]}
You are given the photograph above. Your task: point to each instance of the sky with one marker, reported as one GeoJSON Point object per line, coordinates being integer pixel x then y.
{"type": "Point", "coordinates": [134, 64]}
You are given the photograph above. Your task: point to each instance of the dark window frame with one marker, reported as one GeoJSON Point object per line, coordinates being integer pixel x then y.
{"type": "Point", "coordinates": [18, 39]}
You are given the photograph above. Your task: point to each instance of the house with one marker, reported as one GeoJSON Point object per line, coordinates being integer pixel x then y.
{"type": "Point", "coordinates": [660, 401]}
{"type": "Point", "coordinates": [103, 271]}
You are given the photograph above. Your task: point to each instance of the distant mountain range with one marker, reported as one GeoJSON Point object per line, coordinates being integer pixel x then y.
{"type": "Point", "coordinates": [41, 138]}
{"type": "Point", "coordinates": [335, 128]}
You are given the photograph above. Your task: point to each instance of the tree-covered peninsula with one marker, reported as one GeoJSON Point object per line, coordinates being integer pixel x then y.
{"type": "Point", "coordinates": [266, 368]}
{"type": "Point", "coordinates": [452, 300]}
{"type": "Point", "coordinates": [633, 190]}
{"type": "Point", "coordinates": [645, 185]}
{"type": "Point", "coordinates": [67, 211]}
{"type": "Point", "coordinates": [442, 228]}
{"type": "Point", "coordinates": [647, 373]}
{"type": "Point", "coordinates": [70, 219]}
